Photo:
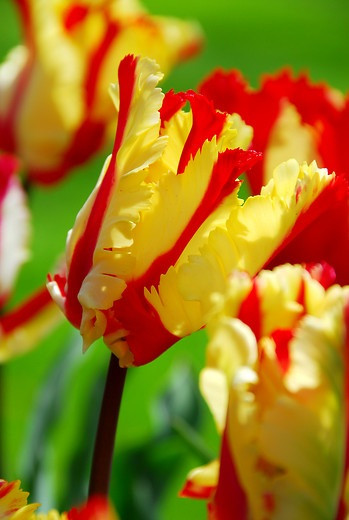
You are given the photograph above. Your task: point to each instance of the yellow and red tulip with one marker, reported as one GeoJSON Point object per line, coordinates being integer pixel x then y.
{"type": "Point", "coordinates": [171, 180]}
{"type": "Point", "coordinates": [277, 383]}
{"type": "Point", "coordinates": [165, 218]}
{"type": "Point", "coordinates": [54, 107]}
{"type": "Point", "coordinates": [291, 118]}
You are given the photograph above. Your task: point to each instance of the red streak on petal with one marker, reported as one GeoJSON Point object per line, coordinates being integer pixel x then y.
{"type": "Point", "coordinates": [127, 78]}
{"type": "Point", "coordinates": [321, 233]}
{"type": "Point", "coordinates": [207, 123]}
{"type": "Point", "coordinates": [250, 311]}
{"type": "Point", "coordinates": [230, 501]}
{"type": "Point", "coordinates": [26, 311]}
{"type": "Point", "coordinates": [147, 337]}
{"type": "Point", "coordinates": [6, 487]}
{"type": "Point", "coordinates": [74, 15]}
{"type": "Point", "coordinates": [282, 337]}
{"type": "Point", "coordinates": [230, 164]}
{"type": "Point", "coordinates": [97, 61]}
{"type": "Point", "coordinates": [193, 490]}
{"type": "Point", "coordinates": [82, 259]}
{"type": "Point", "coordinates": [269, 502]}
{"type": "Point", "coordinates": [301, 296]}
{"type": "Point", "coordinates": [171, 104]}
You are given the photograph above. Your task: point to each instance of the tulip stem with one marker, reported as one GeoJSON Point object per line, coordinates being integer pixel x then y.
{"type": "Point", "coordinates": [105, 437]}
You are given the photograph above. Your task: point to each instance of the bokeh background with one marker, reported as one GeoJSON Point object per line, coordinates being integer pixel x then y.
{"type": "Point", "coordinates": [50, 397]}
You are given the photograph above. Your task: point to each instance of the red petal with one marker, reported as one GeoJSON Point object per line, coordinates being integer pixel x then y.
{"type": "Point", "coordinates": [320, 234]}
{"type": "Point", "coordinates": [282, 337]}
{"type": "Point", "coordinates": [74, 15]}
{"type": "Point", "coordinates": [250, 311]}
{"type": "Point", "coordinates": [147, 337]}
{"type": "Point", "coordinates": [207, 123]}
{"type": "Point", "coordinates": [82, 258]}
{"type": "Point", "coordinates": [227, 90]}
{"type": "Point", "coordinates": [97, 61]}
{"type": "Point", "coordinates": [192, 490]}
{"type": "Point", "coordinates": [230, 500]}
{"type": "Point", "coordinates": [171, 104]}
{"type": "Point", "coordinates": [260, 109]}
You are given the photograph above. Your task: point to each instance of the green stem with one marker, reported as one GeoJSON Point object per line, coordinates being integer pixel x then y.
{"type": "Point", "coordinates": [107, 424]}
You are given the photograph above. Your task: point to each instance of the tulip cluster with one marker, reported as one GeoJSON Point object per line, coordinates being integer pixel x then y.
{"type": "Point", "coordinates": [151, 253]}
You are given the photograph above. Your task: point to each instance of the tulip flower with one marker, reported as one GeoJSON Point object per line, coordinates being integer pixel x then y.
{"type": "Point", "coordinates": [170, 180]}
{"type": "Point", "coordinates": [13, 506]}
{"type": "Point", "coordinates": [165, 218]}
{"type": "Point", "coordinates": [54, 107]}
{"type": "Point", "coordinates": [290, 116]}
{"type": "Point", "coordinates": [14, 223]}
{"type": "Point", "coordinates": [276, 381]}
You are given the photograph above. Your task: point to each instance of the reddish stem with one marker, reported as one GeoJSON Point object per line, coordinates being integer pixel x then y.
{"type": "Point", "coordinates": [105, 438]}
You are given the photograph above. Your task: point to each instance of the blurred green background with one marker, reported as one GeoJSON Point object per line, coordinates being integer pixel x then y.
{"type": "Point", "coordinates": [50, 397]}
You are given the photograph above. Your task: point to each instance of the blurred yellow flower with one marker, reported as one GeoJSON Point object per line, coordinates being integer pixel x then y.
{"type": "Point", "coordinates": [276, 380]}
{"type": "Point", "coordinates": [54, 106]}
